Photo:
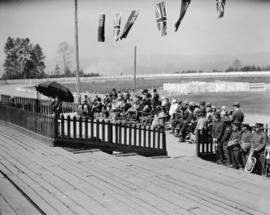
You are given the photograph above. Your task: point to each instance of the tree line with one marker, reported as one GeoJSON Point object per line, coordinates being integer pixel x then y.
{"type": "Point", "coordinates": [25, 60]}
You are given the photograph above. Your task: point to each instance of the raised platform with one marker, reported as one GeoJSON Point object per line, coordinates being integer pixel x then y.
{"type": "Point", "coordinates": [61, 182]}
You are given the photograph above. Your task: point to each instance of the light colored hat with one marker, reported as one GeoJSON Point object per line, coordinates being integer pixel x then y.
{"type": "Point", "coordinates": [174, 101]}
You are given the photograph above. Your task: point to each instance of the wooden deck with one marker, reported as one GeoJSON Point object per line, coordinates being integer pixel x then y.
{"type": "Point", "coordinates": [38, 179]}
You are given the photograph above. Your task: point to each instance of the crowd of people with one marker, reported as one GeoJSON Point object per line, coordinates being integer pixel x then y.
{"type": "Point", "coordinates": [234, 140]}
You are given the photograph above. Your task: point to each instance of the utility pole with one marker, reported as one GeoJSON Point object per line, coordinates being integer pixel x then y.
{"type": "Point", "coordinates": [135, 62]}
{"type": "Point", "coordinates": [77, 52]}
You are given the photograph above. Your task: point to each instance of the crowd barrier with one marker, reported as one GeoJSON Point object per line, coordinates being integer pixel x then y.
{"type": "Point", "coordinates": [79, 132]}
{"type": "Point", "coordinates": [111, 136]}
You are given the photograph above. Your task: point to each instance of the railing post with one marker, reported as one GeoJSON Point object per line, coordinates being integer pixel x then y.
{"type": "Point", "coordinates": [62, 126]}
{"type": "Point", "coordinates": [86, 128]}
{"type": "Point", "coordinates": [197, 144]}
{"type": "Point", "coordinates": [164, 141]}
{"type": "Point", "coordinates": [55, 127]}
{"type": "Point", "coordinates": [110, 139]}
{"type": "Point", "coordinates": [80, 127]}
{"type": "Point", "coordinates": [68, 126]}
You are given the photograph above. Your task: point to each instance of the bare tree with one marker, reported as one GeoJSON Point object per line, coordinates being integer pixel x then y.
{"type": "Point", "coordinates": [65, 51]}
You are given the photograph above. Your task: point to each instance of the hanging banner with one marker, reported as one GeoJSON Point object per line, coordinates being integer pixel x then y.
{"type": "Point", "coordinates": [161, 18]}
{"type": "Point", "coordinates": [220, 7]}
{"type": "Point", "coordinates": [184, 7]}
{"type": "Point", "coordinates": [131, 19]}
{"type": "Point", "coordinates": [116, 26]}
{"type": "Point", "coordinates": [101, 28]}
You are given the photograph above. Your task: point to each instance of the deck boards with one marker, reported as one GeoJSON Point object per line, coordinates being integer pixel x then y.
{"type": "Point", "coordinates": [61, 182]}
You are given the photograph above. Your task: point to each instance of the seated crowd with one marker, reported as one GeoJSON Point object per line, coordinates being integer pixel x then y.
{"type": "Point", "coordinates": [233, 139]}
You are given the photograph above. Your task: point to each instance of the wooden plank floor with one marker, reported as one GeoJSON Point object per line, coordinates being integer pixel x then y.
{"type": "Point", "coordinates": [61, 182]}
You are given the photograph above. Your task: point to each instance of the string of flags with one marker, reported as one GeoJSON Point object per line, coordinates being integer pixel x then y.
{"type": "Point", "coordinates": [161, 19]}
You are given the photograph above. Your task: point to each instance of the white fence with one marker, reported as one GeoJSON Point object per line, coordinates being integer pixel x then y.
{"type": "Point", "coordinates": [196, 87]}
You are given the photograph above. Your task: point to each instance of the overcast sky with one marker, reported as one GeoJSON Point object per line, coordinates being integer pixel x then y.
{"type": "Point", "coordinates": [244, 28]}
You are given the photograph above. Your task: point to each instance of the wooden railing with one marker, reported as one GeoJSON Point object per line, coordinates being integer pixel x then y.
{"type": "Point", "coordinates": [111, 136]}
{"type": "Point", "coordinates": [37, 106]}
{"type": "Point", "coordinates": [78, 132]}
{"type": "Point", "coordinates": [35, 122]}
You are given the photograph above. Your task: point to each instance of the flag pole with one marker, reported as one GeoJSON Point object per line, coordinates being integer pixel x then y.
{"type": "Point", "coordinates": [135, 62]}
{"type": "Point", "coordinates": [77, 52]}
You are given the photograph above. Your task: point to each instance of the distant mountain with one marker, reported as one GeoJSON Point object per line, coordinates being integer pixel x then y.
{"type": "Point", "coordinates": [115, 65]}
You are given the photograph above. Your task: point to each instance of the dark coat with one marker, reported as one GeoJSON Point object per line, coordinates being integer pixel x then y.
{"type": "Point", "coordinates": [238, 116]}
{"type": "Point", "coordinates": [218, 130]}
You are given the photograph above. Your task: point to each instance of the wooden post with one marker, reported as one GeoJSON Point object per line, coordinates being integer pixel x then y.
{"type": "Point", "coordinates": [86, 128]}
{"type": "Point", "coordinates": [140, 135]}
{"type": "Point", "coordinates": [135, 135]}
{"type": "Point", "coordinates": [77, 51]}
{"type": "Point", "coordinates": [62, 126]}
{"type": "Point", "coordinates": [55, 128]}
{"type": "Point", "coordinates": [74, 127]}
{"type": "Point", "coordinates": [164, 140]}
{"type": "Point", "coordinates": [135, 67]}
{"type": "Point", "coordinates": [97, 129]}
{"type": "Point", "coordinates": [125, 134]}
{"type": "Point", "coordinates": [80, 127]}
{"type": "Point", "coordinates": [110, 140]}
{"type": "Point", "coordinates": [68, 126]}
{"type": "Point", "coordinates": [197, 144]}
{"type": "Point", "coordinates": [103, 131]}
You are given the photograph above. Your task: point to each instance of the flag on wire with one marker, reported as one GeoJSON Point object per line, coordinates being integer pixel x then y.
{"type": "Point", "coordinates": [101, 28]}
{"type": "Point", "coordinates": [131, 19]}
{"type": "Point", "coordinates": [161, 18]}
{"type": "Point", "coordinates": [116, 27]}
{"type": "Point", "coordinates": [220, 7]}
{"type": "Point", "coordinates": [184, 7]}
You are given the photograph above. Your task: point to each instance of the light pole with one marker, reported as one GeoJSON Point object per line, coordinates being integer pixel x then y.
{"type": "Point", "coordinates": [135, 65]}
{"type": "Point", "coordinates": [77, 52]}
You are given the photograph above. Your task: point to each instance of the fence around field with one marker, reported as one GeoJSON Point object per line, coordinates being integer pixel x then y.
{"type": "Point", "coordinates": [37, 106]}
{"type": "Point", "coordinates": [111, 136]}
{"type": "Point", "coordinates": [196, 87]}
{"type": "Point", "coordinates": [38, 123]}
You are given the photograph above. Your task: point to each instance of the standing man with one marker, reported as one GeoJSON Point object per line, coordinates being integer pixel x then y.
{"type": "Point", "coordinates": [234, 147]}
{"type": "Point", "coordinates": [57, 107]}
{"type": "Point", "coordinates": [217, 133]}
{"type": "Point", "coordinates": [155, 100]}
{"type": "Point", "coordinates": [237, 115]}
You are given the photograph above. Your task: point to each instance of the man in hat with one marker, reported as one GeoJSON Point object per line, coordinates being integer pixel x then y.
{"type": "Point", "coordinates": [234, 147]}
{"type": "Point", "coordinates": [237, 115]}
{"type": "Point", "coordinates": [224, 141]}
{"type": "Point", "coordinates": [217, 133]}
{"type": "Point", "coordinates": [259, 138]}
{"type": "Point", "coordinates": [187, 118]}
{"type": "Point", "coordinates": [155, 99]}
{"type": "Point", "coordinates": [245, 141]}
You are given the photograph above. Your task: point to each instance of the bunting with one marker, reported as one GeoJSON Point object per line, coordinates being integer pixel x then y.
{"type": "Point", "coordinates": [131, 19]}
{"type": "Point", "coordinates": [101, 28]}
{"type": "Point", "coordinates": [220, 7]}
{"type": "Point", "coordinates": [116, 27]}
{"type": "Point", "coordinates": [184, 7]}
{"type": "Point", "coordinates": [161, 18]}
